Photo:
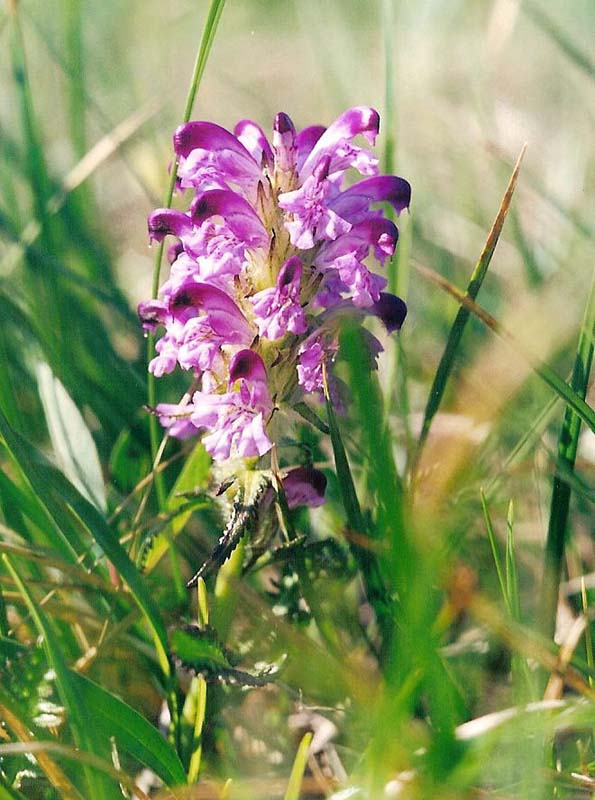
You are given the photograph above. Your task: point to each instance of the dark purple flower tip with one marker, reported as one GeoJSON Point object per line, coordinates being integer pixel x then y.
{"type": "Point", "coordinates": [174, 250]}
{"type": "Point", "coordinates": [391, 310]}
{"type": "Point", "coordinates": [289, 272]}
{"type": "Point", "coordinates": [304, 486]}
{"type": "Point", "coordinates": [164, 221]}
{"type": "Point", "coordinates": [247, 364]}
{"type": "Point", "coordinates": [283, 123]}
{"type": "Point", "coordinates": [152, 313]}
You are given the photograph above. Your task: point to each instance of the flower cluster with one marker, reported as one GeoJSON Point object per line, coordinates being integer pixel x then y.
{"type": "Point", "coordinates": [269, 257]}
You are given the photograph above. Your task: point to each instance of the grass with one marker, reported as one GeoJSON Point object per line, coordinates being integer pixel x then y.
{"type": "Point", "coordinates": [398, 641]}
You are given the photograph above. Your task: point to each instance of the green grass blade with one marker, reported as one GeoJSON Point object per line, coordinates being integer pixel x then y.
{"type": "Point", "coordinates": [494, 547]}
{"type": "Point", "coordinates": [198, 691]}
{"type": "Point", "coordinates": [49, 485]}
{"type": "Point", "coordinates": [132, 732]}
{"type": "Point", "coordinates": [97, 786]}
{"type": "Point", "coordinates": [389, 123]}
{"type": "Point", "coordinates": [299, 766]}
{"type": "Point", "coordinates": [545, 372]}
{"type": "Point", "coordinates": [73, 40]}
{"type": "Point", "coordinates": [11, 714]}
{"type": "Point", "coordinates": [208, 36]}
{"type": "Point", "coordinates": [512, 580]}
{"type": "Point", "coordinates": [382, 480]}
{"type": "Point", "coordinates": [73, 444]}
{"type": "Point", "coordinates": [365, 557]}
{"type": "Point", "coordinates": [456, 332]}
{"type": "Point", "coordinates": [559, 37]}
{"type": "Point", "coordinates": [567, 449]}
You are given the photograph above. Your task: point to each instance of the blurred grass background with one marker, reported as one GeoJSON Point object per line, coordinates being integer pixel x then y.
{"type": "Point", "coordinates": [471, 82]}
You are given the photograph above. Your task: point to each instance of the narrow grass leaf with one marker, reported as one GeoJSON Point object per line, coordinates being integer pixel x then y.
{"type": "Point", "coordinates": [71, 439]}
{"type": "Point", "coordinates": [494, 547]}
{"type": "Point", "coordinates": [364, 556]}
{"type": "Point", "coordinates": [131, 731]}
{"type": "Point", "coordinates": [567, 450]}
{"type": "Point", "coordinates": [559, 37]}
{"type": "Point", "coordinates": [456, 332]}
{"type": "Point", "coordinates": [208, 36]}
{"type": "Point", "coordinates": [99, 765]}
{"type": "Point", "coordinates": [199, 692]}
{"type": "Point", "coordinates": [73, 507]}
{"type": "Point", "coordinates": [97, 786]}
{"type": "Point", "coordinates": [12, 716]}
{"type": "Point", "coordinates": [588, 638]}
{"type": "Point", "coordinates": [512, 580]}
{"type": "Point", "coordinates": [193, 476]}
{"type": "Point", "coordinates": [545, 372]}
{"type": "Point", "coordinates": [299, 767]}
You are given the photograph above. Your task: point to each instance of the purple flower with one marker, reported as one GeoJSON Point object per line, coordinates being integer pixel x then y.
{"type": "Point", "coordinates": [275, 241]}
{"type": "Point", "coordinates": [391, 310]}
{"type": "Point", "coordinates": [236, 419]}
{"type": "Point", "coordinates": [278, 310]}
{"type": "Point", "coordinates": [176, 419]}
{"type": "Point", "coordinates": [210, 157]}
{"type": "Point", "coordinates": [312, 218]}
{"type": "Point", "coordinates": [304, 486]}
{"type": "Point", "coordinates": [335, 143]}
{"type": "Point", "coordinates": [312, 356]}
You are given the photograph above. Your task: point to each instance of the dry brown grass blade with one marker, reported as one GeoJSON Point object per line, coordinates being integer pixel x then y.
{"type": "Point", "coordinates": [528, 644]}
{"type": "Point", "coordinates": [91, 161]}
{"type": "Point", "coordinates": [40, 749]}
{"type": "Point", "coordinates": [53, 772]}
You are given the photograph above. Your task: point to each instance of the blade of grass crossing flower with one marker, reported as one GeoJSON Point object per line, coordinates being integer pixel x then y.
{"type": "Point", "coordinates": [456, 332]}
{"type": "Point", "coordinates": [364, 556]}
{"type": "Point", "coordinates": [299, 767]}
{"type": "Point", "coordinates": [72, 21]}
{"type": "Point", "coordinates": [546, 373]}
{"type": "Point", "coordinates": [383, 480]}
{"type": "Point", "coordinates": [97, 786]}
{"type": "Point", "coordinates": [388, 28]}
{"type": "Point", "coordinates": [567, 450]}
{"type": "Point", "coordinates": [210, 28]}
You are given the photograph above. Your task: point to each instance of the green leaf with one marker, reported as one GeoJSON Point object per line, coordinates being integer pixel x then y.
{"type": "Point", "coordinates": [299, 766]}
{"type": "Point", "coordinates": [71, 507]}
{"type": "Point", "coordinates": [73, 444]}
{"type": "Point", "coordinates": [98, 786]}
{"type": "Point", "coordinates": [456, 332]}
{"type": "Point", "coordinates": [194, 475]}
{"type": "Point", "coordinates": [111, 716]}
{"type": "Point", "coordinates": [567, 451]}
{"type": "Point", "coordinates": [199, 650]}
